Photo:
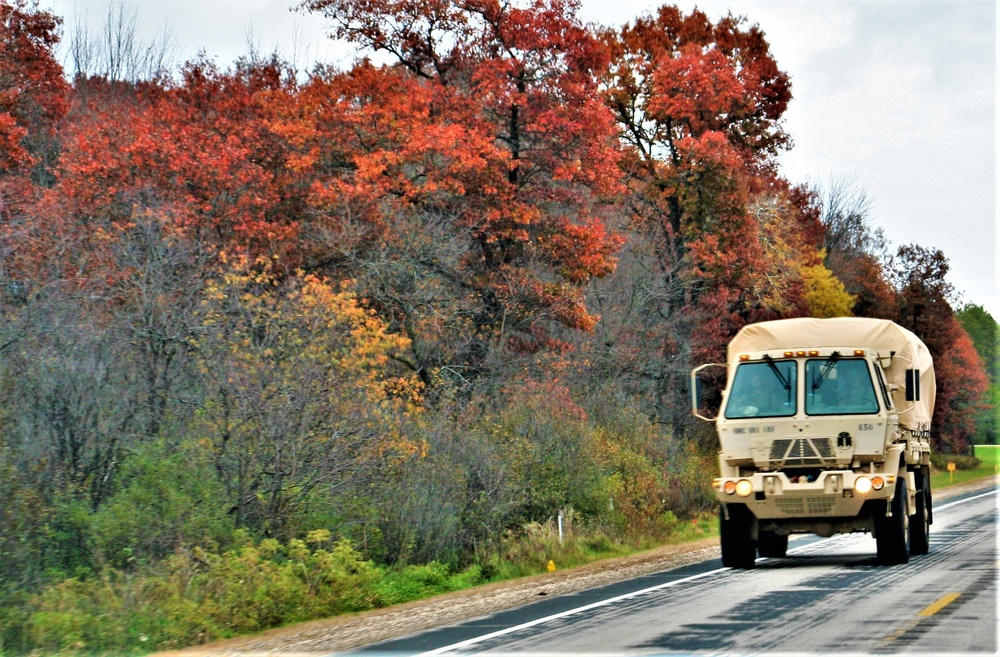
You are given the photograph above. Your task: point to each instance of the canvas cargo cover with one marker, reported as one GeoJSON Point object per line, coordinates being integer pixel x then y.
{"type": "Point", "coordinates": [851, 333]}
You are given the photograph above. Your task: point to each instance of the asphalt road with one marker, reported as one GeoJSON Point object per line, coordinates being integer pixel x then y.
{"type": "Point", "coordinates": [827, 597]}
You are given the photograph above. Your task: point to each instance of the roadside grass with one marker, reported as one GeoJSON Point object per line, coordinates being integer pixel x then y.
{"type": "Point", "coordinates": [989, 454]}
{"type": "Point", "coordinates": [531, 552]}
{"type": "Point", "coordinates": [989, 457]}
{"type": "Point", "coordinates": [197, 596]}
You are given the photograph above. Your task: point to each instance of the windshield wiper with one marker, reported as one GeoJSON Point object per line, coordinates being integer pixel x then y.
{"type": "Point", "coordinates": [781, 377]}
{"type": "Point", "coordinates": [827, 366]}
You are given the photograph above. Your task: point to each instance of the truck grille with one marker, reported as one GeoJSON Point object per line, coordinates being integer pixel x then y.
{"type": "Point", "coordinates": [801, 452]}
{"type": "Point", "coordinates": [804, 506]}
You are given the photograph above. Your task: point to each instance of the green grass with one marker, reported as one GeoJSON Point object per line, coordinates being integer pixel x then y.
{"type": "Point", "coordinates": [989, 455]}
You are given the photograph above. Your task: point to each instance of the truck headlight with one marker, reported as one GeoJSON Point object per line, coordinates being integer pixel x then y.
{"type": "Point", "coordinates": [744, 487]}
{"type": "Point", "coordinates": [862, 485]}
{"type": "Point", "coordinates": [878, 483]}
{"type": "Point", "coordinates": [729, 487]}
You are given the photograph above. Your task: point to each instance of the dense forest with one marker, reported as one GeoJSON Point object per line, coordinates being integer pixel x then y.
{"type": "Point", "coordinates": [327, 322]}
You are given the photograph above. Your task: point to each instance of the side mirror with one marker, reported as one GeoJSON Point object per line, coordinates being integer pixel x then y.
{"type": "Point", "coordinates": [698, 389]}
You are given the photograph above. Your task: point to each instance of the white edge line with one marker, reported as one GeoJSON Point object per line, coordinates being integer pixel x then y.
{"type": "Point", "coordinates": [603, 603]}
{"type": "Point", "coordinates": [967, 499]}
{"type": "Point", "coordinates": [568, 612]}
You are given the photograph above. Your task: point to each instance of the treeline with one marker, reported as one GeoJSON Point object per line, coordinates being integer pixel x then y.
{"type": "Point", "coordinates": [424, 307]}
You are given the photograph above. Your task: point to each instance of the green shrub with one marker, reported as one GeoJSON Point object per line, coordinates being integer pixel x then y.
{"type": "Point", "coordinates": [168, 500]}
{"type": "Point", "coordinates": [195, 596]}
{"type": "Point", "coordinates": [961, 461]}
{"type": "Point", "coordinates": [415, 582]}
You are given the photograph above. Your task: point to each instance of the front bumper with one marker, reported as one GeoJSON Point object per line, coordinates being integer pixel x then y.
{"type": "Point", "coordinates": [834, 493]}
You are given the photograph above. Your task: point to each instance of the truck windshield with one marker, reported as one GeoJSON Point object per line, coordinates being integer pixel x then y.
{"type": "Point", "coordinates": [762, 389]}
{"type": "Point", "coordinates": [841, 388]}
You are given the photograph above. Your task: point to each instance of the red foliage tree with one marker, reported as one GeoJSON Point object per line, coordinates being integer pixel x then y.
{"type": "Point", "coordinates": [199, 153]}
{"type": "Point", "coordinates": [699, 107]}
{"type": "Point", "coordinates": [491, 127]}
{"type": "Point", "coordinates": [919, 275]}
{"type": "Point", "coordinates": [961, 389]}
{"type": "Point", "coordinates": [32, 88]}
{"type": "Point", "coordinates": [33, 99]}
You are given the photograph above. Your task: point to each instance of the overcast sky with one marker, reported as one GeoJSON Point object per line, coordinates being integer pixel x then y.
{"type": "Point", "coordinates": [899, 95]}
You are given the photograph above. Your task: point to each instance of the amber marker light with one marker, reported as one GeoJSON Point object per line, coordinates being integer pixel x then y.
{"type": "Point", "coordinates": [729, 487]}
{"type": "Point", "coordinates": [863, 485]}
{"type": "Point", "coordinates": [744, 487]}
{"type": "Point", "coordinates": [878, 483]}
{"type": "Point", "coordinates": [744, 357]}
{"type": "Point", "coordinates": [814, 353]}
{"type": "Point", "coordinates": [859, 352]}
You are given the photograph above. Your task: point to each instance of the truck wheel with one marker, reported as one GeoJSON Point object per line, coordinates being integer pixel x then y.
{"type": "Point", "coordinates": [920, 525]}
{"type": "Point", "coordinates": [738, 549]}
{"type": "Point", "coordinates": [892, 534]}
{"type": "Point", "coordinates": [772, 545]}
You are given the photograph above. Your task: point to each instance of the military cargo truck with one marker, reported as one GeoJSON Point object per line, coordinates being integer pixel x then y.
{"type": "Point", "coordinates": [824, 428]}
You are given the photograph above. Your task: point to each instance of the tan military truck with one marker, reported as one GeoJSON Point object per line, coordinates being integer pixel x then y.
{"type": "Point", "coordinates": [824, 429]}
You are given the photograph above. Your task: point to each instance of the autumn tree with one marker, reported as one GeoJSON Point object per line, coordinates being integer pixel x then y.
{"type": "Point", "coordinates": [925, 294]}
{"type": "Point", "coordinates": [962, 387]}
{"type": "Point", "coordinates": [699, 107]}
{"type": "Point", "coordinates": [855, 249]}
{"type": "Point", "coordinates": [33, 98]}
{"type": "Point", "coordinates": [32, 89]}
{"type": "Point", "coordinates": [489, 132]}
{"type": "Point", "coordinates": [924, 301]}
{"type": "Point", "coordinates": [200, 149]}
{"type": "Point", "coordinates": [295, 381]}
{"type": "Point", "coordinates": [825, 294]}
{"type": "Point", "coordinates": [985, 334]}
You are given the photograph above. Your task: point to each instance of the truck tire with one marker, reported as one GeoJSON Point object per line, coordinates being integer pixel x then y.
{"type": "Point", "coordinates": [772, 545]}
{"type": "Point", "coordinates": [892, 534]}
{"type": "Point", "coordinates": [920, 523]}
{"type": "Point", "coordinates": [738, 549]}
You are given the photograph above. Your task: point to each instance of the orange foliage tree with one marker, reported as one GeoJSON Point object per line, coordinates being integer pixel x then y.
{"type": "Point", "coordinates": [297, 391]}
{"type": "Point", "coordinates": [198, 151]}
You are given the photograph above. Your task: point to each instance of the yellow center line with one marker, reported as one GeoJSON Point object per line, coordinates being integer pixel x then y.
{"type": "Point", "coordinates": [903, 631]}
{"type": "Point", "coordinates": [930, 610]}
{"type": "Point", "coordinates": [935, 607]}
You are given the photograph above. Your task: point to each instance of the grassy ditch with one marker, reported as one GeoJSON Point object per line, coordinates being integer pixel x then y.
{"type": "Point", "coordinates": [985, 464]}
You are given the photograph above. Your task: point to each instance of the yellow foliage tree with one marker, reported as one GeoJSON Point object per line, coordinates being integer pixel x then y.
{"type": "Point", "coordinates": [298, 389]}
{"type": "Point", "coordinates": [825, 295]}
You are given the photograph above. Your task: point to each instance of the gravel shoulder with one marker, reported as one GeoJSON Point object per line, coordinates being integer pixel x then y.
{"type": "Point", "coordinates": [350, 631]}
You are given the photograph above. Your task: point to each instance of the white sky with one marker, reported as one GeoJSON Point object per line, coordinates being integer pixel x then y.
{"type": "Point", "coordinates": [898, 94]}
